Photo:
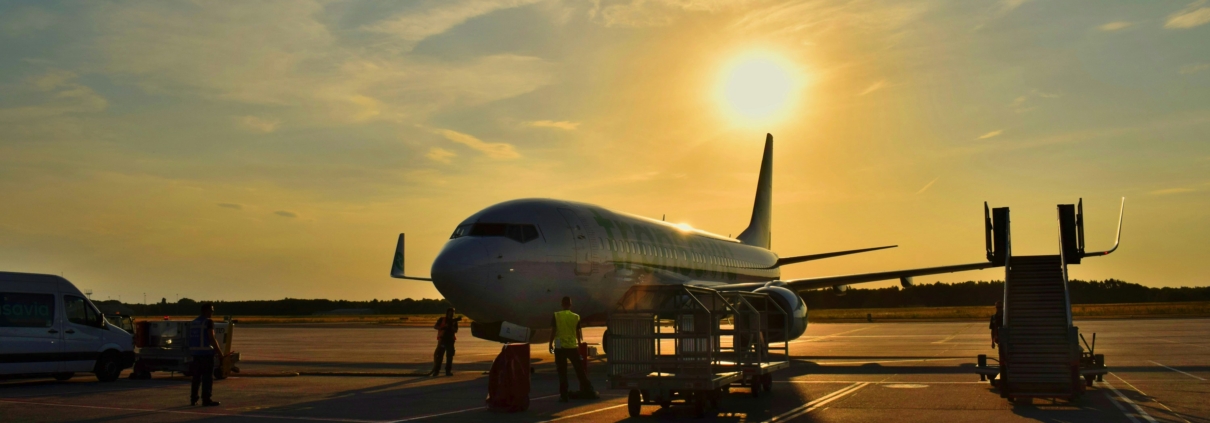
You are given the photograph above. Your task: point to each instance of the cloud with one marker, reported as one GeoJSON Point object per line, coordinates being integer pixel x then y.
{"type": "Point", "coordinates": [1194, 68]}
{"type": "Point", "coordinates": [284, 213]}
{"type": "Point", "coordinates": [1114, 26]}
{"type": "Point", "coordinates": [991, 134]}
{"type": "Point", "coordinates": [442, 155]}
{"type": "Point", "coordinates": [1195, 14]}
{"type": "Point", "coordinates": [56, 93]}
{"type": "Point", "coordinates": [873, 87]}
{"type": "Point", "coordinates": [495, 150]}
{"type": "Point", "coordinates": [563, 124]}
{"type": "Point", "coordinates": [25, 20]}
{"type": "Point", "coordinates": [232, 206]}
{"type": "Point", "coordinates": [258, 124]}
{"type": "Point", "coordinates": [926, 186]}
{"type": "Point", "coordinates": [415, 26]}
{"type": "Point", "coordinates": [1169, 191]}
{"type": "Point", "coordinates": [639, 13]}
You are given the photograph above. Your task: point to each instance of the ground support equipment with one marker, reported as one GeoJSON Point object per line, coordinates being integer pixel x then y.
{"type": "Point", "coordinates": [161, 346]}
{"type": "Point", "coordinates": [667, 346]}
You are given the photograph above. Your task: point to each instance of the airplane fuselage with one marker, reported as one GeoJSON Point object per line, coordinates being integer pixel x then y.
{"type": "Point", "coordinates": [514, 261]}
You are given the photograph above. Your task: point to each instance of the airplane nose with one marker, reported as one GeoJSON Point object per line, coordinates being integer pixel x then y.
{"type": "Point", "coordinates": [457, 274]}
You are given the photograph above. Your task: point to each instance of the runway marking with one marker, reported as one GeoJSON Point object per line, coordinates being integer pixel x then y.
{"type": "Point", "coordinates": [1128, 401]}
{"type": "Point", "coordinates": [192, 413]}
{"type": "Point", "coordinates": [811, 406]}
{"type": "Point", "coordinates": [1184, 343]}
{"type": "Point", "coordinates": [833, 335]}
{"type": "Point", "coordinates": [1175, 370]}
{"type": "Point", "coordinates": [1136, 389]}
{"type": "Point", "coordinates": [586, 413]}
{"type": "Point", "coordinates": [946, 339]}
{"type": "Point", "coordinates": [427, 416]}
{"type": "Point", "coordinates": [890, 361]}
{"type": "Point", "coordinates": [877, 383]}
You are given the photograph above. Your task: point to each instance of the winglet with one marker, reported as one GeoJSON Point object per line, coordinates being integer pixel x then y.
{"type": "Point", "coordinates": [397, 264]}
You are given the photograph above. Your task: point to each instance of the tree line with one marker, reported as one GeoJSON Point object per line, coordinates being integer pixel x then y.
{"type": "Point", "coordinates": [284, 307]}
{"type": "Point", "coordinates": [983, 293]}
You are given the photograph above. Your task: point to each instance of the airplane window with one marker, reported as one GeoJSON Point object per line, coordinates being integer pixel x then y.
{"type": "Point", "coordinates": [461, 231]}
{"type": "Point", "coordinates": [514, 233]}
{"type": "Point", "coordinates": [489, 229]}
{"type": "Point", "coordinates": [529, 233]}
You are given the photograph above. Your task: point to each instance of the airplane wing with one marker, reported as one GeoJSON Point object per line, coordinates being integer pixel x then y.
{"type": "Point", "coordinates": [799, 259]}
{"type": "Point", "coordinates": [841, 280]}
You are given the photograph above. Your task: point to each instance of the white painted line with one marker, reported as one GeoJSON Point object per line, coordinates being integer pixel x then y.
{"type": "Point", "coordinates": [1175, 370]}
{"type": "Point", "coordinates": [1120, 407]}
{"type": "Point", "coordinates": [890, 361]}
{"type": "Point", "coordinates": [811, 406]}
{"type": "Point", "coordinates": [832, 335]}
{"type": "Point", "coordinates": [586, 413]}
{"type": "Point", "coordinates": [192, 413]}
{"type": "Point", "coordinates": [879, 383]}
{"type": "Point", "coordinates": [1140, 391]}
{"type": "Point", "coordinates": [428, 416]}
{"type": "Point", "coordinates": [1132, 404]}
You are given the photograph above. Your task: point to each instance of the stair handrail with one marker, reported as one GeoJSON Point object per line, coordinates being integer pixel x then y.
{"type": "Point", "coordinates": [1117, 239]}
{"type": "Point", "coordinates": [1063, 267]}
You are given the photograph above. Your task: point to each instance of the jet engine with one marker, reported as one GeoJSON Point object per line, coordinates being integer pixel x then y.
{"type": "Point", "coordinates": [794, 307]}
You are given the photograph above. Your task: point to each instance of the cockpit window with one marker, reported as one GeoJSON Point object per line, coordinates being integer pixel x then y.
{"type": "Point", "coordinates": [519, 233]}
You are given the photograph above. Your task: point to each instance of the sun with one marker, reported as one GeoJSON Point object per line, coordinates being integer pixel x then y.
{"type": "Point", "coordinates": [757, 88]}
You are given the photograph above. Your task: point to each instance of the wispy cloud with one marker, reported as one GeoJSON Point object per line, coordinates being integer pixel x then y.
{"type": "Point", "coordinates": [286, 214]}
{"type": "Point", "coordinates": [232, 206]}
{"type": "Point", "coordinates": [1194, 68]}
{"type": "Point", "coordinates": [441, 155]}
{"type": "Point", "coordinates": [991, 134]}
{"type": "Point", "coordinates": [57, 93]}
{"type": "Point", "coordinates": [1195, 14]}
{"type": "Point", "coordinates": [873, 87]}
{"type": "Point", "coordinates": [926, 186]}
{"type": "Point", "coordinates": [495, 150]}
{"type": "Point", "coordinates": [1115, 26]}
{"type": "Point", "coordinates": [259, 124]}
{"type": "Point", "coordinates": [1170, 191]}
{"type": "Point", "coordinates": [415, 26]}
{"type": "Point", "coordinates": [562, 124]}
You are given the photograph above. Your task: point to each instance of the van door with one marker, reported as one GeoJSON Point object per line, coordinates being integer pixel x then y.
{"type": "Point", "coordinates": [83, 334]}
{"type": "Point", "coordinates": [30, 336]}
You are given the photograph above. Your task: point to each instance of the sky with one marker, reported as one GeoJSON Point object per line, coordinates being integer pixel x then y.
{"type": "Point", "coordinates": [263, 150]}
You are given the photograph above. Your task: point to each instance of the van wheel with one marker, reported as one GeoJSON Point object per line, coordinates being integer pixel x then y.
{"type": "Point", "coordinates": [62, 377]}
{"type": "Point", "coordinates": [107, 368]}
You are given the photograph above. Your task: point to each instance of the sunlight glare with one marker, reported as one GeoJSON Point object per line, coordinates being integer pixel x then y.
{"type": "Point", "coordinates": [757, 87]}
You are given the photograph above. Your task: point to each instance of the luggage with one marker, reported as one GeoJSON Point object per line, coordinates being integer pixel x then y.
{"type": "Point", "coordinates": [508, 380]}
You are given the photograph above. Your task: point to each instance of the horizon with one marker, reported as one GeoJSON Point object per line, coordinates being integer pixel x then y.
{"type": "Point", "coordinates": [182, 149]}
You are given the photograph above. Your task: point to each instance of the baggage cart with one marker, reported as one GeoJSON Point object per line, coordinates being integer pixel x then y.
{"type": "Point", "coordinates": [162, 347]}
{"type": "Point", "coordinates": [668, 345]}
{"type": "Point", "coordinates": [757, 319]}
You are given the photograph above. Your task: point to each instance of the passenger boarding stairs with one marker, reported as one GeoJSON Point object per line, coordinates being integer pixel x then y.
{"type": "Point", "coordinates": [1038, 337]}
{"type": "Point", "coordinates": [1039, 349]}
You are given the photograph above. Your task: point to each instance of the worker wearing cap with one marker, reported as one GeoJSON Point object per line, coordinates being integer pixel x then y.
{"type": "Point", "coordinates": [203, 346]}
{"type": "Point", "coordinates": [447, 330]}
{"type": "Point", "coordinates": [996, 322]}
{"type": "Point", "coordinates": [564, 343]}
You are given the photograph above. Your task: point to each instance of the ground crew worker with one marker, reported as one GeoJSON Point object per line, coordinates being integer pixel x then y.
{"type": "Point", "coordinates": [203, 346]}
{"type": "Point", "coordinates": [447, 329]}
{"type": "Point", "coordinates": [564, 343]}
{"type": "Point", "coordinates": [997, 320]}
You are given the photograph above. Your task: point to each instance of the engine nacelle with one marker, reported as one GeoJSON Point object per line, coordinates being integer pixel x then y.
{"type": "Point", "coordinates": [793, 305]}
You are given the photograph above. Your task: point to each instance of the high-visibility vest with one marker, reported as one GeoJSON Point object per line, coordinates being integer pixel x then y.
{"type": "Point", "coordinates": [565, 329]}
{"type": "Point", "coordinates": [199, 343]}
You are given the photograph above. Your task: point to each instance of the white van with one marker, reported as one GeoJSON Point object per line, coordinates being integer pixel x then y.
{"type": "Point", "coordinates": [48, 328]}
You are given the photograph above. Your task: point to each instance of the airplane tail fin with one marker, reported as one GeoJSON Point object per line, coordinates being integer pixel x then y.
{"type": "Point", "coordinates": [760, 229]}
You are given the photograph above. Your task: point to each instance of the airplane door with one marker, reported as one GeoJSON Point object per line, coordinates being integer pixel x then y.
{"type": "Point", "coordinates": [30, 338]}
{"type": "Point", "coordinates": [579, 236]}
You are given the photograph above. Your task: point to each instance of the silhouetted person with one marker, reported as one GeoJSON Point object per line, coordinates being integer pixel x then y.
{"type": "Point", "coordinates": [203, 346]}
{"type": "Point", "coordinates": [997, 321]}
{"type": "Point", "coordinates": [447, 329]}
{"type": "Point", "coordinates": [565, 344]}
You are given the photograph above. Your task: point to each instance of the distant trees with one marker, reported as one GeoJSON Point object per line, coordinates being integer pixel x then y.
{"type": "Point", "coordinates": [288, 307]}
{"type": "Point", "coordinates": [973, 293]}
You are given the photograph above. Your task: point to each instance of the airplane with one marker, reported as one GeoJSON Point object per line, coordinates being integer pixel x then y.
{"type": "Point", "coordinates": [508, 266]}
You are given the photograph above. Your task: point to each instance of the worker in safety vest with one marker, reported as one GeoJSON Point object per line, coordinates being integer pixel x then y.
{"type": "Point", "coordinates": [203, 346]}
{"type": "Point", "coordinates": [447, 330]}
{"type": "Point", "coordinates": [564, 343]}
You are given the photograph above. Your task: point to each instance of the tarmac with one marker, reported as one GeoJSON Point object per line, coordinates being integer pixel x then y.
{"type": "Point", "coordinates": [840, 372]}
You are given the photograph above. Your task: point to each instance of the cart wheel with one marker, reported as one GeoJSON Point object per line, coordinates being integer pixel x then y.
{"type": "Point", "coordinates": [1088, 380]}
{"type": "Point", "coordinates": [665, 404]}
{"type": "Point", "coordinates": [726, 389]}
{"type": "Point", "coordinates": [699, 405]}
{"type": "Point", "coordinates": [219, 375]}
{"type": "Point", "coordinates": [634, 403]}
{"type": "Point", "coordinates": [767, 382]}
{"type": "Point", "coordinates": [755, 388]}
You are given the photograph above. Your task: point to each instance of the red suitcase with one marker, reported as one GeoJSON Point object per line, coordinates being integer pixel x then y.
{"type": "Point", "coordinates": [508, 381]}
